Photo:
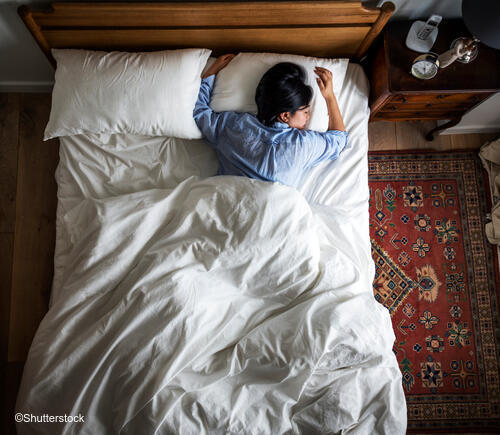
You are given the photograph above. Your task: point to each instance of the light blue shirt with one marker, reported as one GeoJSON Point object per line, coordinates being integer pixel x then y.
{"type": "Point", "coordinates": [249, 148]}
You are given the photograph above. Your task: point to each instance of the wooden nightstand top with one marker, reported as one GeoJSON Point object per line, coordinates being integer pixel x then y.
{"type": "Point", "coordinates": [482, 74]}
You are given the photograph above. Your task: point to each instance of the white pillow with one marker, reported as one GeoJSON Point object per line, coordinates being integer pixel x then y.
{"type": "Point", "coordinates": [235, 85]}
{"type": "Point", "coordinates": [150, 94]}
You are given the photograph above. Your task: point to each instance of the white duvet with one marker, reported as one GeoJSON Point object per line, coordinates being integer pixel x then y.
{"type": "Point", "coordinates": [191, 304]}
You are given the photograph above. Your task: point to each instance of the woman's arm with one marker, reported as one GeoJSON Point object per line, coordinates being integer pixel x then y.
{"type": "Point", "coordinates": [325, 84]}
{"type": "Point", "coordinates": [209, 122]}
{"type": "Point", "coordinates": [219, 64]}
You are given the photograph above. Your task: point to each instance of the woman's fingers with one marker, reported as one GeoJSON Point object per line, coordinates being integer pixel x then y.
{"type": "Point", "coordinates": [324, 80]}
{"type": "Point", "coordinates": [323, 72]}
{"type": "Point", "coordinates": [324, 76]}
{"type": "Point", "coordinates": [226, 58]}
{"type": "Point", "coordinates": [319, 68]}
{"type": "Point", "coordinates": [222, 62]}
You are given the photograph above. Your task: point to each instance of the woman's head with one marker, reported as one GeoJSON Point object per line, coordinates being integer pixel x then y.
{"type": "Point", "coordinates": [282, 95]}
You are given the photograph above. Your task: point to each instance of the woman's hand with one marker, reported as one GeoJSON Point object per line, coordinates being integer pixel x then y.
{"type": "Point", "coordinates": [220, 63]}
{"type": "Point", "coordinates": [325, 82]}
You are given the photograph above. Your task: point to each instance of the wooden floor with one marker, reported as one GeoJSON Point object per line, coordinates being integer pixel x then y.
{"type": "Point", "coordinates": [410, 136]}
{"type": "Point", "coordinates": [27, 234]}
{"type": "Point", "coordinates": [27, 219]}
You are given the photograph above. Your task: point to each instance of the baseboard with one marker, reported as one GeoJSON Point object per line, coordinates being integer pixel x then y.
{"type": "Point", "coordinates": [469, 129]}
{"type": "Point", "coordinates": [24, 86]}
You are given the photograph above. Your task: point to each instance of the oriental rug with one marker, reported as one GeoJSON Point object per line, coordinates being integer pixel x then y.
{"type": "Point", "coordinates": [438, 277]}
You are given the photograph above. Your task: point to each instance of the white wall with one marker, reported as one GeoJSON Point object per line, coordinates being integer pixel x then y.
{"type": "Point", "coordinates": [485, 118]}
{"type": "Point", "coordinates": [415, 9]}
{"type": "Point", "coordinates": [23, 66]}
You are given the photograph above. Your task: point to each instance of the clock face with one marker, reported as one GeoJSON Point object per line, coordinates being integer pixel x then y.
{"type": "Point", "coordinates": [424, 69]}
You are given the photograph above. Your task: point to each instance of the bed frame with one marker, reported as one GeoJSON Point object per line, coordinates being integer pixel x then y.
{"type": "Point", "coordinates": [315, 28]}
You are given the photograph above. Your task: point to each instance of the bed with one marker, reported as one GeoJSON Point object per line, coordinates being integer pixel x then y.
{"type": "Point", "coordinates": [185, 302]}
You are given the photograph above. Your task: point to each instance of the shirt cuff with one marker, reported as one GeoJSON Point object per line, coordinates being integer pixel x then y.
{"type": "Point", "coordinates": [209, 80]}
{"type": "Point", "coordinates": [346, 136]}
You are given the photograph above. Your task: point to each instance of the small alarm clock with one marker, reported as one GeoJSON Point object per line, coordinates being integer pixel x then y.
{"type": "Point", "coordinates": [425, 66]}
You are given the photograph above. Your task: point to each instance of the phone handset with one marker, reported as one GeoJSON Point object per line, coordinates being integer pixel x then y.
{"type": "Point", "coordinates": [429, 26]}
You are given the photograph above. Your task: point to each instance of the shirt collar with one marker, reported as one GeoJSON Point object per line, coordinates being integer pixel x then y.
{"type": "Point", "coordinates": [279, 124]}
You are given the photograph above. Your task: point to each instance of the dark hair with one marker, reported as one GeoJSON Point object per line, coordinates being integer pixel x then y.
{"type": "Point", "coordinates": [281, 89]}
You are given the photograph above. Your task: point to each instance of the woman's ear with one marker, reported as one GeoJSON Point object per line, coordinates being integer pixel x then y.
{"type": "Point", "coordinates": [284, 117]}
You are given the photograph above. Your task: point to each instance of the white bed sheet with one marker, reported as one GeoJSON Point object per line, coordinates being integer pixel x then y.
{"type": "Point", "coordinates": [352, 385]}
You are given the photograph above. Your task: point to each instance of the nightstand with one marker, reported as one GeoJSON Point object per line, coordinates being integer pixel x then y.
{"type": "Point", "coordinates": [398, 96]}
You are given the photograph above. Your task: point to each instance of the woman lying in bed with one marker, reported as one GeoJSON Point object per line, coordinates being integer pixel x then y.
{"type": "Point", "coordinates": [274, 145]}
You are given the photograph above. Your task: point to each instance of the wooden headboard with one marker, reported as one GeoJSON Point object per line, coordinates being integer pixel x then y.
{"type": "Point", "coordinates": [315, 28]}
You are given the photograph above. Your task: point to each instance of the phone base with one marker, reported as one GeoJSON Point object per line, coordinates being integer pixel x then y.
{"type": "Point", "coordinates": [413, 42]}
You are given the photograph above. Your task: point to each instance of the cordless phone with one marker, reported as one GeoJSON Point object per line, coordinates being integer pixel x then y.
{"type": "Point", "coordinates": [422, 35]}
{"type": "Point", "coordinates": [429, 26]}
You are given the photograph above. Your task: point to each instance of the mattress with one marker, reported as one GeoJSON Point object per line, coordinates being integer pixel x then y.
{"type": "Point", "coordinates": [185, 302]}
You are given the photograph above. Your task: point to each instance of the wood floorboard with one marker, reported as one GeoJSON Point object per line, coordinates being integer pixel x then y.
{"type": "Point", "coordinates": [469, 141]}
{"type": "Point", "coordinates": [6, 254]}
{"type": "Point", "coordinates": [34, 240]}
{"type": "Point", "coordinates": [410, 135]}
{"type": "Point", "coordinates": [465, 141]}
{"type": "Point", "coordinates": [488, 137]}
{"type": "Point", "coordinates": [11, 380]}
{"type": "Point", "coordinates": [382, 136]}
{"type": "Point", "coordinates": [9, 120]}
{"type": "Point", "coordinates": [9, 129]}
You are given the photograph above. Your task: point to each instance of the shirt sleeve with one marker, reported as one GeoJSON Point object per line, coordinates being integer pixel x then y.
{"type": "Point", "coordinates": [209, 122]}
{"type": "Point", "coordinates": [324, 146]}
